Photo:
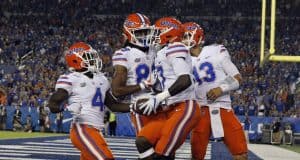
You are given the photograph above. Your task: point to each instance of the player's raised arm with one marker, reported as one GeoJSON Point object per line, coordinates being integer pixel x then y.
{"type": "Point", "coordinates": [114, 105]}
{"type": "Point", "coordinates": [56, 99]}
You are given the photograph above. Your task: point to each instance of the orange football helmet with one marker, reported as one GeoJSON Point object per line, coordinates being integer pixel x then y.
{"type": "Point", "coordinates": [137, 29]}
{"type": "Point", "coordinates": [193, 34]}
{"type": "Point", "coordinates": [167, 29]}
{"type": "Point", "coordinates": [82, 57]}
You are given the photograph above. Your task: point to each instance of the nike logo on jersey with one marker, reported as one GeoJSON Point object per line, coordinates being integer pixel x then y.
{"type": "Point", "coordinates": [206, 57]}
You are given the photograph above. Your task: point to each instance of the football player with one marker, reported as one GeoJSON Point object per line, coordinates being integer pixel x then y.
{"type": "Point", "coordinates": [133, 64]}
{"type": "Point", "coordinates": [87, 91]}
{"type": "Point", "coordinates": [215, 77]}
{"type": "Point", "coordinates": [179, 113]}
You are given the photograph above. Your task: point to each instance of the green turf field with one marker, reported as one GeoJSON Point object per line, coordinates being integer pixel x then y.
{"type": "Point", "coordinates": [11, 135]}
{"type": "Point", "coordinates": [295, 148]}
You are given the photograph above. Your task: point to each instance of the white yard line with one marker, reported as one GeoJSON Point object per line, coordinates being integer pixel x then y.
{"type": "Point", "coordinates": [270, 152]}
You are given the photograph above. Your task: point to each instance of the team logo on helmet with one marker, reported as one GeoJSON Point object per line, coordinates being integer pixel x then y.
{"type": "Point", "coordinates": [169, 24]}
{"type": "Point", "coordinates": [129, 23]}
{"type": "Point", "coordinates": [191, 28]}
{"type": "Point", "coordinates": [74, 50]}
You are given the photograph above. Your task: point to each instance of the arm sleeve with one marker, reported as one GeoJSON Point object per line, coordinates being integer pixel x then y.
{"type": "Point", "coordinates": [119, 58]}
{"type": "Point", "coordinates": [177, 56]}
{"type": "Point", "coordinates": [64, 82]}
{"type": "Point", "coordinates": [227, 65]}
{"type": "Point", "coordinates": [180, 66]}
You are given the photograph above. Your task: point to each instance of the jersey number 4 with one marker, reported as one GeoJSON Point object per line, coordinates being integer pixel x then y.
{"type": "Point", "coordinates": [97, 100]}
{"type": "Point", "coordinates": [209, 70]}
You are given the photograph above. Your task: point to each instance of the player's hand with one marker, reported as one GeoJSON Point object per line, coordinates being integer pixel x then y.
{"type": "Point", "coordinates": [151, 105]}
{"type": "Point", "coordinates": [146, 84]}
{"type": "Point", "coordinates": [214, 93]}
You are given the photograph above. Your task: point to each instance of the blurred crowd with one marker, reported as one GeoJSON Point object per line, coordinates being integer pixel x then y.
{"type": "Point", "coordinates": [35, 34]}
{"type": "Point", "coordinates": [78, 8]}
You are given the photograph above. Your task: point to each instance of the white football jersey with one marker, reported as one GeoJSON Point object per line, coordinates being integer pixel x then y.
{"type": "Point", "coordinates": [139, 67]}
{"type": "Point", "coordinates": [210, 68]}
{"type": "Point", "coordinates": [168, 70]}
{"type": "Point", "coordinates": [86, 97]}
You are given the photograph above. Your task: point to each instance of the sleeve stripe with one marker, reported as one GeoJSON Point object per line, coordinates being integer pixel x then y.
{"type": "Point", "coordinates": [119, 59]}
{"type": "Point", "coordinates": [64, 82]}
{"type": "Point", "coordinates": [223, 49]}
{"type": "Point", "coordinates": [118, 54]}
{"type": "Point", "coordinates": [177, 51]}
{"type": "Point", "coordinates": [63, 77]}
{"type": "Point", "coordinates": [176, 46]}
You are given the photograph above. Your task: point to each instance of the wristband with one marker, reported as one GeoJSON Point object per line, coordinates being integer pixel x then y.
{"type": "Point", "coordinates": [163, 95]}
{"type": "Point", "coordinates": [131, 107]}
{"type": "Point", "coordinates": [229, 84]}
{"type": "Point", "coordinates": [142, 85]}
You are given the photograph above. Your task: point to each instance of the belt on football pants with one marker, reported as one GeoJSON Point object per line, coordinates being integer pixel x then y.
{"type": "Point", "coordinates": [89, 126]}
{"type": "Point", "coordinates": [169, 107]}
{"type": "Point", "coordinates": [228, 110]}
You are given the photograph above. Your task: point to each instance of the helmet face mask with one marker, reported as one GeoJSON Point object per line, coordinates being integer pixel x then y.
{"type": "Point", "coordinates": [156, 36]}
{"type": "Point", "coordinates": [193, 34]}
{"type": "Point", "coordinates": [91, 61]}
{"type": "Point", "coordinates": [81, 57]}
{"type": "Point", "coordinates": [142, 37]}
{"type": "Point", "coordinates": [188, 39]}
